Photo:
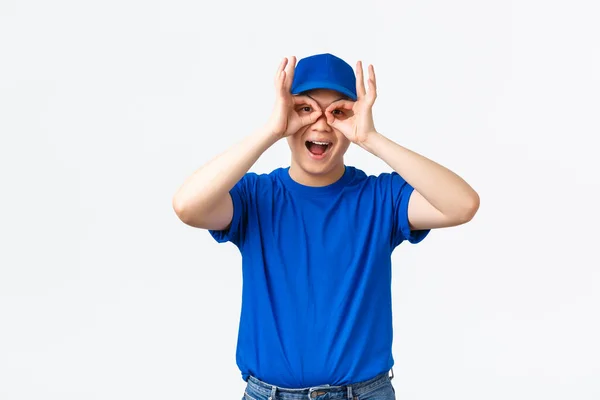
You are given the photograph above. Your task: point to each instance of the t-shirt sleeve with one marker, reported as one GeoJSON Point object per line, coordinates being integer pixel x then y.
{"type": "Point", "coordinates": [401, 192]}
{"type": "Point", "coordinates": [241, 196]}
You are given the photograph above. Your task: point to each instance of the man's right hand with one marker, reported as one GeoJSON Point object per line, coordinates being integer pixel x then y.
{"type": "Point", "coordinates": [290, 113]}
{"type": "Point", "coordinates": [204, 199]}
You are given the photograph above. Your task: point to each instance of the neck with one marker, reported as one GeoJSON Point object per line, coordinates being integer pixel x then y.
{"type": "Point", "coordinates": [308, 179]}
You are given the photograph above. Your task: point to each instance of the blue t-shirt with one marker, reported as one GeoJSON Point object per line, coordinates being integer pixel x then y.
{"type": "Point", "coordinates": [316, 273]}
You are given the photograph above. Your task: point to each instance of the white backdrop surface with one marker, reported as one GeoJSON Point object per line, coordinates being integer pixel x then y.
{"type": "Point", "coordinates": [106, 107]}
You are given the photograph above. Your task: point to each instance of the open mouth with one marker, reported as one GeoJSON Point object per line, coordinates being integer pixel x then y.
{"type": "Point", "coordinates": [317, 149]}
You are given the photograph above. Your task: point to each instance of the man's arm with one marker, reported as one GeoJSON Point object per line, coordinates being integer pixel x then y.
{"type": "Point", "coordinates": [440, 199]}
{"type": "Point", "coordinates": [203, 201]}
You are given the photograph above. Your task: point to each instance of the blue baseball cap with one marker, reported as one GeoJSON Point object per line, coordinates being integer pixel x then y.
{"type": "Point", "coordinates": [324, 71]}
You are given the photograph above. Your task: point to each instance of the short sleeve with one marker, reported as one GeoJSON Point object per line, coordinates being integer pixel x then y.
{"type": "Point", "coordinates": [241, 196]}
{"type": "Point", "coordinates": [400, 194]}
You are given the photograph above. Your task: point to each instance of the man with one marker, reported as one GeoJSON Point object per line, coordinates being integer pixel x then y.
{"type": "Point", "coordinates": [316, 238]}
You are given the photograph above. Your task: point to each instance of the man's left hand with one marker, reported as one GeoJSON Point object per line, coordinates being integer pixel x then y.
{"type": "Point", "coordinates": [354, 119]}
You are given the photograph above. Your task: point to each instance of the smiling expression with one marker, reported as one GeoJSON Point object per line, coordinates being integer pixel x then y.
{"type": "Point", "coordinates": [318, 149]}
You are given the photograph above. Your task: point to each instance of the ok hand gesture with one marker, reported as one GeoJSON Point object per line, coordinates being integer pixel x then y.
{"type": "Point", "coordinates": [285, 119]}
{"type": "Point", "coordinates": [355, 119]}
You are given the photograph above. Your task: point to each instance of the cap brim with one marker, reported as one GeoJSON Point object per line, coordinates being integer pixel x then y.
{"type": "Point", "coordinates": [323, 85]}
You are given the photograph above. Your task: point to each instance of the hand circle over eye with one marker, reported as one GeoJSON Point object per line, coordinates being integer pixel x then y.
{"type": "Point", "coordinates": [356, 120]}
{"type": "Point", "coordinates": [285, 119]}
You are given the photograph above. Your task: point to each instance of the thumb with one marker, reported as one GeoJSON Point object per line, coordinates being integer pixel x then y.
{"type": "Point", "coordinates": [344, 106]}
{"type": "Point", "coordinates": [310, 118]}
{"type": "Point", "coordinates": [332, 120]}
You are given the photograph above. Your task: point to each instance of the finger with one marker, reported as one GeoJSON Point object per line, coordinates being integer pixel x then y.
{"type": "Point", "coordinates": [372, 80]}
{"type": "Point", "coordinates": [281, 67]}
{"type": "Point", "coordinates": [280, 84]}
{"type": "Point", "coordinates": [330, 119]}
{"type": "Point", "coordinates": [310, 118]}
{"type": "Point", "coordinates": [340, 105]}
{"type": "Point", "coordinates": [372, 83]}
{"type": "Point", "coordinates": [299, 100]}
{"type": "Point", "coordinates": [360, 82]}
{"type": "Point", "coordinates": [334, 122]}
{"type": "Point", "coordinates": [346, 106]}
{"type": "Point", "coordinates": [307, 101]}
{"type": "Point", "coordinates": [290, 69]}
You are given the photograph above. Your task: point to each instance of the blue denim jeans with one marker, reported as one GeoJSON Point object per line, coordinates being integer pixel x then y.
{"type": "Point", "coordinates": [377, 388]}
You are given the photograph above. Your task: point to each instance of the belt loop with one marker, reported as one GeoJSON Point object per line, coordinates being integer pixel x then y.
{"type": "Point", "coordinates": [273, 391]}
{"type": "Point", "coordinates": [392, 376]}
{"type": "Point", "coordinates": [349, 392]}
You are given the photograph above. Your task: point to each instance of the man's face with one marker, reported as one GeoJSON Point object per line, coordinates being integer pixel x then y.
{"type": "Point", "coordinates": [328, 152]}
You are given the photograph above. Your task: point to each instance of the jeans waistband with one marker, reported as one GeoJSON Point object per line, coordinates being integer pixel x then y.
{"type": "Point", "coordinates": [354, 389]}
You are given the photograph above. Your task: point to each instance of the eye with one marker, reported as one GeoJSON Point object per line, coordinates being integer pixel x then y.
{"type": "Point", "coordinates": [337, 112]}
{"type": "Point", "coordinates": [306, 108]}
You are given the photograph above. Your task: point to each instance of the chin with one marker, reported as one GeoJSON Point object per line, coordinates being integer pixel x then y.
{"type": "Point", "coordinates": [319, 167]}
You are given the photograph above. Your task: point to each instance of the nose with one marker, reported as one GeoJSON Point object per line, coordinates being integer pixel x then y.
{"type": "Point", "coordinates": [321, 124]}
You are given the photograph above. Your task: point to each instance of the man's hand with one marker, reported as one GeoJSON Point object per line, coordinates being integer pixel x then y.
{"type": "Point", "coordinates": [285, 119]}
{"type": "Point", "coordinates": [355, 119]}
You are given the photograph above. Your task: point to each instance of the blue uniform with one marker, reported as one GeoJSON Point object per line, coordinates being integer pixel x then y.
{"type": "Point", "coordinates": [316, 270]}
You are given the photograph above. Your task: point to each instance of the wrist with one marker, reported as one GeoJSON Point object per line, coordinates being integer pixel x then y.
{"type": "Point", "coordinates": [270, 129]}
{"type": "Point", "coordinates": [372, 142]}
{"type": "Point", "coordinates": [267, 134]}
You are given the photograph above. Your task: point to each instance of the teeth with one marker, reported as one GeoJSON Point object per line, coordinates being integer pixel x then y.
{"type": "Point", "coordinates": [321, 143]}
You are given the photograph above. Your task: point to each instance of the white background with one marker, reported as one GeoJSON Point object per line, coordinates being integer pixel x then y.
{"type": "Point", "coordinates": [107, 106]}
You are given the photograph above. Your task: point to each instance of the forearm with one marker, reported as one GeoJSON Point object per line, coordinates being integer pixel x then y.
{"type": "Point", "coordinates": [209, 184]}
{"type": "Point", "coordinates": [442, 188]}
